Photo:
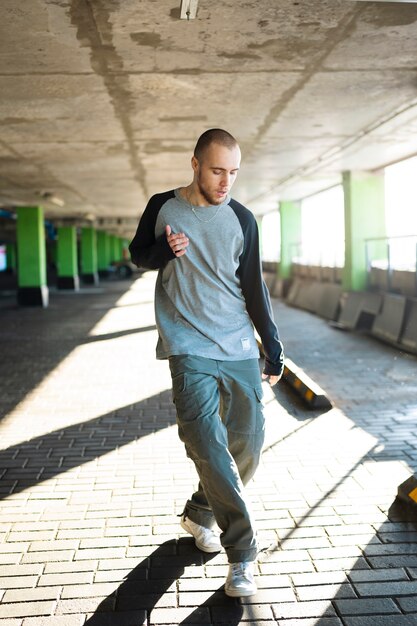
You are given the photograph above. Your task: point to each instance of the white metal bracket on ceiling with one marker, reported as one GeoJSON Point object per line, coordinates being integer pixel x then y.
{"type": "Point", "coordinates": [188, 9]}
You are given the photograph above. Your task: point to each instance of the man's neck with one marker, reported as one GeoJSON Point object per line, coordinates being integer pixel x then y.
{"type": "Point", "coordinates": [192, 195]}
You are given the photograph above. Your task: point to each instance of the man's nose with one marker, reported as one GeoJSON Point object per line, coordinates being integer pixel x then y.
{"type": "Point", "coordinates": [225, 180]}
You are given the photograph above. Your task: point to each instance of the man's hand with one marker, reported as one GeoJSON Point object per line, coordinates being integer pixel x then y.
{"type": "Point", "coordinates": [271, 379]}
{"type": "Point", "coordinates": [177, 242]}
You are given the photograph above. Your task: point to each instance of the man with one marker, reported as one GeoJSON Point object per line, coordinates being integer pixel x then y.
{"type": "Point", "coordinates": [209, 294]}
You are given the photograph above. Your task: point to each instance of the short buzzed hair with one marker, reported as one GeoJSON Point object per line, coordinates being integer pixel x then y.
{"type": "Point", "coordinates": [213, 135]}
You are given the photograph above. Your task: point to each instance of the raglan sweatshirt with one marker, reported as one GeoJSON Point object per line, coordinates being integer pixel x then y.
{"type": "Point", "coordinates": [208, 300]}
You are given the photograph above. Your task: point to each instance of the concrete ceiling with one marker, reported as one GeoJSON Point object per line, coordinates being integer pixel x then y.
{"type": "Point", "coordinates": [102, 100]}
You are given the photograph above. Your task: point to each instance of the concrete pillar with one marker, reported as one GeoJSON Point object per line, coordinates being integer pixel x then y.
{"type": "Point", "coordinates": [31, 253]}
{"type": "Point", "coordinates": [114, 249]}
{"type": "Point", "coordinates": [364, 200]}
{"type": "Point", "coordinates": [11, 257]}
{"type": "Point", "coordinates": [89, 256]}
{"type": "Point", "coordinates": [103, 253]}
{"type": "Point", "coordinates": [67, 258]}
{"type": "Point", "coordinates": [290, 217]}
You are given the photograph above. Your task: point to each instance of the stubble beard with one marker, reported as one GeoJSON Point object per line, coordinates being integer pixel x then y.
{"type": "Point", "coordinates": [207, 196]}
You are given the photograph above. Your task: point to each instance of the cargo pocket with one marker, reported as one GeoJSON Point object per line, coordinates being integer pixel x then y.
{"type": "Point", "coordinates": [196, 399]}
{"type": "Point", "coordinates": [245, 413]}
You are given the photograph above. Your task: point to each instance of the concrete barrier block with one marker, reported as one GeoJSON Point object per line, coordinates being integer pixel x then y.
{"type": "Point", "coordinates": [407, 492]}
{"type": "Point", "coordinates": [389, 322]}
{"type": "Point", "coordinates": [408, 337]}
{"type": "Point", "coordinates": [269, 279]}
{"type": "Point", "coordinates": [404, 282]}
{"type": "Point", "coordinates": [293, 291]}
{"type": "Point", "coordinates": [329, 303]}
{"type": "Point", "coordinates": [378, 278]}
{"type": "Point", "coordinates": [359, 310]}
{"type": "Point", "coordinates": [309, 295]}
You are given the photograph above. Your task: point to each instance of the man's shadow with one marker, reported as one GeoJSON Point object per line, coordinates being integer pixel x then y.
{"type": "Point", "coordinates": [156, 576]}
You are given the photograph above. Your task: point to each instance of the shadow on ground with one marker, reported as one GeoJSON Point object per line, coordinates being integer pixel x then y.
{"type": "Point", "coordinates": [157, 576]}
{"type": "Point", "coordinates": [31, 462]}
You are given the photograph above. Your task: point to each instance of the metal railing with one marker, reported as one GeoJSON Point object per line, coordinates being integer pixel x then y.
{"type": "Point", "coordinates": [328, 268]}
{"type": "Point", "coordinates": [391, 254]}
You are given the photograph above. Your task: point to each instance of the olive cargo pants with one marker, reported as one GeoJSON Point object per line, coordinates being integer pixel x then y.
{"type": "Point", "coordinates": [221, 423]}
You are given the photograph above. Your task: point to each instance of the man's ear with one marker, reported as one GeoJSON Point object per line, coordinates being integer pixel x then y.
{"type": "Point", "coordinates": [194, 163]}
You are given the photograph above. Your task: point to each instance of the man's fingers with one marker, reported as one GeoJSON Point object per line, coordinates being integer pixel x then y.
{"type": "Point", "coordinates": [168, 230]}
{"type": "Point", "coordinates": [178, 242]}
{"type": "Point", "coordinates": [271, 379]}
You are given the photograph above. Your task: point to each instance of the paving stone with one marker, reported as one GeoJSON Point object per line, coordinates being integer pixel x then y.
{"type": "Point", "coordinates": [21, 570]}
{"type": "Point", "coordinates": [394, 561]}
{"type": "Point", "coordinates": [88, 591]}
{"type": "Point", "coordinates": [200, 615]}
{"type": "Point", "coordinates": [318, 578]}
{"type": "Point", "coordinates": [99, 553]}
{"type": "Point", "coordinates": [377, 575]}
{"type": "Point", "coordinates": [341, 564]}
{"type": "Point", "coordinates": [323, 621]}
{"type": "Point", "coordinates": [269, 596]}
{"type": "Point", "coordinates": [359, 606]}
{"type": "Point", "coordinates": [29, 595]}
{"type": "Point", "coordinates": [73, 620]}
{"type": "Point", "coordinates": [322, 592]}
{"type": "Point", "coordinates": [314, 608]}
{"type": "Point", "coordinates": [286, 567]}
{"type": "Point", "coordinates": [25, 609]}
{"type": "Point", "coordinates": [392, 588]}
{"type": "Point", "coordinates": [408, 605]}
{"type": "Point", "coordinates": [388, 549]}
{"type": "Point", "coordinates": [46, 556]}
{"type": "Point", "coordinates": [125, 618]}
{"type": "Point", "coordinates": [147, 601]}
{"type": "Point", "coordinates": [66, 579]}
{"type": "Point", "coordinates": [68, 567]}
{"type": "Point", "coordinates": [381, 620]}
{"type": "Point", "coordinates": [18, 581]}
{"type": "Point", "coordinates": [86, 605]}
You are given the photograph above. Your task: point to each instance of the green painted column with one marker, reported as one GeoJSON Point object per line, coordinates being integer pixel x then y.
{"type": "Point", "coordinates": [124, 249]}
{"type": "Point", "coordinates": [111, 249]}
{"type": "Point", "coordinates": [89, 256]}
{"type": "Point", "coordinates": [290, 218]}
{"type": "Point", "coordinates": [103, 253]}
{"type": "Point", "coordinates": [121, 249]}
{"type": "Point", "coordinates": [11, 257]}
{"type": "Point", "coordinates": [114, 249]}
{"type": "Point", "coordinates": [67, 260]}
{"type": "Point", "coordinates": [364, 201]}
{"type": "Point", "coordinates": [31, 257]}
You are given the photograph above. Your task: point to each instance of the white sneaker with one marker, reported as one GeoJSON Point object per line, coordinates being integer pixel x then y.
{"type": "Point", "coordinates": [205, 538]}
{"type": "Point", "coordinates": [239, 581]}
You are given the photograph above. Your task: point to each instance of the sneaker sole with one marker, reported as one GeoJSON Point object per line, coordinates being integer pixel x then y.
{"type": "Point", "coordinates": [235, 593]}
{"type": "Point", "coordinates": [200, 546]}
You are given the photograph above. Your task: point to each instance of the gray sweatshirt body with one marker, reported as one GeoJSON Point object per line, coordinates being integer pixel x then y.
{"type": "Point", "coordinates": [199, 305]}
{"type": "Point", "coordinates": [208, 300]}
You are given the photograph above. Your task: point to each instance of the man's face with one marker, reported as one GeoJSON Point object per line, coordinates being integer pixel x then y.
{"type": "Point", "coordinates": [216, 172]}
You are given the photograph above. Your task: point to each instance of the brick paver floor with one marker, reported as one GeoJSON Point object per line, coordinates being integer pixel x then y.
{"type": "Point", "coordinates": [93, 477]}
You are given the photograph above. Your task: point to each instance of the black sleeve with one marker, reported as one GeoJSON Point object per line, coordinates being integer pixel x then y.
{"type": "Point", "coordinates": [255, 292]}
{"type": "Point", "coordinates": [146, 250]}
